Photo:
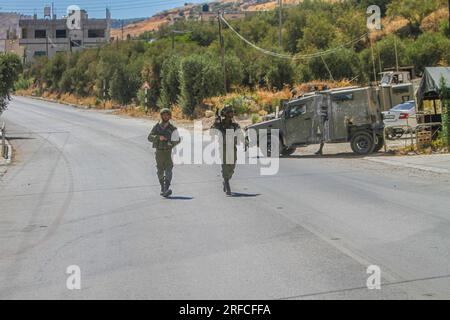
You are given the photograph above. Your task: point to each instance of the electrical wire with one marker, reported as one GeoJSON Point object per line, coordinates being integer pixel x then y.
{"type": "Point", "coordinates": [289, 56]}
{"type": "Point", "coordinates": [96, 8]}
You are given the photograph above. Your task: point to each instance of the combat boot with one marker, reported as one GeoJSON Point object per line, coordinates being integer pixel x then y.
{"type": "Point", "coordinates": [167, 192]}
{"type": "Point", "coordinates": [163, 188]}
{"type": "Point", "coordinates": [227, 187]}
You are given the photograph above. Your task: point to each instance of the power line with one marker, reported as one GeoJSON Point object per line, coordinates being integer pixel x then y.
{"type": "Point", "coordinates": [288, 56]}
{"type": "Point", "coordinates": [96, 8]}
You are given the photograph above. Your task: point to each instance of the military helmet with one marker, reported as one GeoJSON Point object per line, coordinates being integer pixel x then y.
{"type": "Point", "coordinates": [165, 110]}
{"type": "Point", "coordinates": [227, 109]}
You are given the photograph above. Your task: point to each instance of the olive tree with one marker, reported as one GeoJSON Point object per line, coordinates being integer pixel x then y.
{"type": "Point", "coordinates": [10, 68]}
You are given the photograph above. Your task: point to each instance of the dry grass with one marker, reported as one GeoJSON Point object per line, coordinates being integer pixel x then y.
{"type": "Point", "coordinates": [390, 25]}
{"type": "Point", "coordinates": [433, 21]}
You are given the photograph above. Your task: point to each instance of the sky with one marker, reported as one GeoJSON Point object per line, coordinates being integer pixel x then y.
{"type": "Point", "coordinates": [120, 9]}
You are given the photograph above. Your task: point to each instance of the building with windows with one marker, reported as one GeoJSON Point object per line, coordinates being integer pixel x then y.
{"type": "Point", "coordinates": [48, 36]}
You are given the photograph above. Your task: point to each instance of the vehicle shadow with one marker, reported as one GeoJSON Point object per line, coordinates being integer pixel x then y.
{"type": "Point", "coordinates": [344, 155]}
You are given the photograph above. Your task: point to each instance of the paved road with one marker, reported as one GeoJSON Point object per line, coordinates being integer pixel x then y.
{"type": "Point", "coordinates": [83, 191]}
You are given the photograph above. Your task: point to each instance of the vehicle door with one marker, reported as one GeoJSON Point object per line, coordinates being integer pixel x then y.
{"type": "Point", "coordinates": [298, 121]}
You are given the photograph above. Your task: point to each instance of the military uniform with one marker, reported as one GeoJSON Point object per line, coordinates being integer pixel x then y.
{"type": "Point", "coordinates": [228, 168]}
{"type": "Point", "coordinates": [163, 154]}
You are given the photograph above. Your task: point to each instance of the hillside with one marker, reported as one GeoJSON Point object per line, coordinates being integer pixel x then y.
{"type": "Point", "coordinates": [192, 11]}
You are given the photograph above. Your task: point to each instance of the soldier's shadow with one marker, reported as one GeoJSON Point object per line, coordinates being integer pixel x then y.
{"type": "Point", "coordinates": [244, 195]}
{"type": "Point", "coordinates": [180, 198]}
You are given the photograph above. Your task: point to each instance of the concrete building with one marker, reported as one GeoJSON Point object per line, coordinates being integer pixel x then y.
{"type": "Point", "coordinates": [46, 37]}
{"type": "Point", "coordinates": [9, 30]}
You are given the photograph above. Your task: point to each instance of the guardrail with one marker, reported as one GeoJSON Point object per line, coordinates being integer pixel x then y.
{"type": "Point", "coordinates": [412, 133]}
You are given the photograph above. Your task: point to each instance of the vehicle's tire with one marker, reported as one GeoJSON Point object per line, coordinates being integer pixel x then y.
{"type": "Point", "coordinates": [379, 144]}
{"type": "Point", "coordinates": [269, 152]}
{"type": "Point", "coordinates": [286, 152]}
{"type": "Point", "coordinates": [362, 143]}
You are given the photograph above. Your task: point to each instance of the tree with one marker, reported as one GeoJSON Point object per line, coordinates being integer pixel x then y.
{"type": "Point", "coordinates": [10, 68]}
{"type": "Point", "coordinates": [364, 4]}
{"type": "Point", "coordinates": [429, 49]}
{"type": "Point", "coordinates": [234, 68]}
{"type": "Point", "coordinates": [200, 77]}
{"type": "Point", "coordinates": [170, 83]}
{"type": "Point", "coordinates": [343, 64]}
{"type": "Point", "coordinates": [294, 29]}
{"type": "Point", "coordinates": [151, 74]}
{"type": "Point", "coordinates": [279, 74]}
{"type": "Point", "coordinates": [445, 98]}
{"type": "Point", "coordinates": [53, 70]}
{"type": "Point", "coordinates": [318, 34]}
{"type": "Point", "coordinates": [123, 86]}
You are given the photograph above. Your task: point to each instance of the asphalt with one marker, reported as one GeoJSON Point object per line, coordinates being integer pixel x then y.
{"type": "Point", "coordinates": [83, 191]}
{"type": "Point", "coordinates": [437, 163]}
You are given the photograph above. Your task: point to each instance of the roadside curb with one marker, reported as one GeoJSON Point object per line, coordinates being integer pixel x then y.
{"type": "Point", "coordinates": [57, 101]}
{"type": "Point", "coordinates": [9, 153]}
{"type": "Point", "coordinates": [408, 165]}
{"type": "Point", "coordinates": [5, 162]}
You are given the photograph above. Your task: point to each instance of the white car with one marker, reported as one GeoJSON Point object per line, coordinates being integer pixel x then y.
{"type": "Point", "coordinates": [400, 120]}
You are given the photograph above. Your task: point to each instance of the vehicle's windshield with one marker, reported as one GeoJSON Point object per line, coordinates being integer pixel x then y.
{"type": "Point", "coordinates": [404, 106]}
{"type": "Point", "coordinates": [386, 79]}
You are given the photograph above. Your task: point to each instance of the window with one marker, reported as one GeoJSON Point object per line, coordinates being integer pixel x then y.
{"type": "Point", "coordinates": [399, 90]}
{"type": "Point", "coordinates": [96, 33]}
{"type": "Point", "coordinates": [40, 53]}
{"type": "Point", "coordinates": [40, 34]}
{"type": "Point", "coordinates": [24, 33]}
{"type": "Point", "coordinates": [75, 43]}
{"type": "Point", "coordinates": [296, 111]}
{"type": "Point", "coordinates": [343, 97]}
{"type": "Point", "coordinates": [61, 33]}
{"type": "Point", "coordinates": [405, 106]}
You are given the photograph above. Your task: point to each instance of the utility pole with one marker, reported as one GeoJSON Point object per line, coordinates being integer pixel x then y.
{"type": "Point", "coordinates": [396, 53]}
{"type": "Point", "coordinates": [222, 52]}
{"type": "Point", "coordinates": [104, 93]}
{"type": "Point", "coordinates": [173, 40]}
{"type": "Point", "coordinates": [449, 17]}
{"type": "Point", "coordinates": [121, 22]}
{"type": "Point", "coordinates": [46, 43]}
{"type": "Point", "coordinates": [280, 16]}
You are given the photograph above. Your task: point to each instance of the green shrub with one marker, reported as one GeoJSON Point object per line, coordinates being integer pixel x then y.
{"type": "Point", "coordinates": [200, 78]}
{"type": "Point", "coordinates": [239, 104]}
{"type": "Point", "coordinates": [170, 83]}
{"type": "Point", "coordinates": [23, 83]}
{"type": "Point", "coordinates": [255, 118]}
{"type": "Point", "coordinates": [428, 50]}
{"type": "Point", "coordinates": [10, 68]}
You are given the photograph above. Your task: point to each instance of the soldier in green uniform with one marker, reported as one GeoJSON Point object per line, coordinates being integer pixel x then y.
{"type": "Point", "coordinates": [225, 122]}
{"type": "Point", "coordinates": [164, 137]}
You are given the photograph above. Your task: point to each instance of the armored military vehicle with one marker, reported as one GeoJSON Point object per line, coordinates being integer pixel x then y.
{"type": "Point", "coordinates": [396, 87]}
{"type": "Point", "coordinates": [332, 116]}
